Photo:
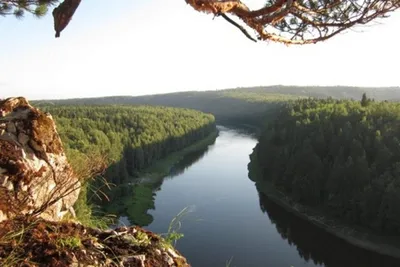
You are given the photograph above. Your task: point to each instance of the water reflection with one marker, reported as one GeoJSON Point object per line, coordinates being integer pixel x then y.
{"type": "Point", "coordinates": [186, 162]}
{"type": "Point", "coordinates": [133, 201]}
{"type": "Point", "coordinates": [314, 244]}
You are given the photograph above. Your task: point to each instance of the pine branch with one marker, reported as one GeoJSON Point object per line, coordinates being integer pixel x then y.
{"type": "Point", "coordinates": [238, 26]}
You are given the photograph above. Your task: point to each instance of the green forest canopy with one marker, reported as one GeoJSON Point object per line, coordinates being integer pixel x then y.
{"type": "Point", "coordinates": [341, 156]}
{"type": "Point", "coordinates": [247, 105]}
{"type": "Point", "coordinates": [338, 155]}
{"type": "Point", "coordinates": [285, 21]}
{"type": "Point", "coordinates": [132, 137]}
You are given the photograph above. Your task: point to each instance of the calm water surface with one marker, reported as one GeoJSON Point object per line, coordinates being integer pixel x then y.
{"type": "Point", "coordinates": [230, 220]}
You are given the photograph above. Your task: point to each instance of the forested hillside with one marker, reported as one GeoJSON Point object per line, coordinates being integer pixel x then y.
{"type": "Point", "coordinates": [338, 155]}
{"type": "Point", "coordinates": [132, 139]}
{"type": "Point", "coordinates": [228, 107]}
{"type": "Point", "coordinates": [134, 136]}
{"type": "Point", "coordinates": [241, 105]}
{"type": "Point", "coordinates": [337, 92]}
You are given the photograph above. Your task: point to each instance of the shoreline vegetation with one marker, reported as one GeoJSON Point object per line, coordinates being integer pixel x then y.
{"type": "Point", "coordinates": [352, 235]}
{"type": "Point", "coordinates": [136, 197]}
{"type": "Point", "coordinates": [336, 164]}
{"type": "Point", "coordinates": [162, 167]}
{"type": "Point", "coordinates": [355, 235]}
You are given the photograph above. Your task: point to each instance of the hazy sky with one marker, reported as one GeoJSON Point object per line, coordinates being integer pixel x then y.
{"type": "Point", "coordinates": [158, 46]}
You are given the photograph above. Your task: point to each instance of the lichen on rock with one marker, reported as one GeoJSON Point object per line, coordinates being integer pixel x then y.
{"type": "Point", "coordinates": [35, 177]}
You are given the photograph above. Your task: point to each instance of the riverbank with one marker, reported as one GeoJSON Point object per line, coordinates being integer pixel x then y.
{"type": "Point", "coordinates": [251, 129]}
{"type": "Point", "coordinates": [356, 236]}
{"type": "Point", "coordinates": [163, 167]}
{"type": "Point", "coordinates": [134, 198]}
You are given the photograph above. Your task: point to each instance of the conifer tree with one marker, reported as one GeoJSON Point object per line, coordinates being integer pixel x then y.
{"type": "Point", "coordinates": [364, 100]}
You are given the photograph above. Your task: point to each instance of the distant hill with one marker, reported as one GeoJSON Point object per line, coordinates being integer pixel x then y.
{"type": "Point", "coordinates": [339, 92]}
{"type": "Point", "coordinates": [240, 104]}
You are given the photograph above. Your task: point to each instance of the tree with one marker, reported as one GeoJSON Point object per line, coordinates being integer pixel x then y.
{"type": "Point", "coordinates": [19, 7]}
{"type": "Point", "coordinates": [364, 100]}
{"type": "Point", "coordinates": [62, 13]}
{"type": "Point", "coordinates": [284, 21]}
{"type": "Point", "coordinates": [301, 21]}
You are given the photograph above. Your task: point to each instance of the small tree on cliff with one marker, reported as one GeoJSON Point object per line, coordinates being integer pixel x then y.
{"type": "Point", "coordinates": [285, 21]}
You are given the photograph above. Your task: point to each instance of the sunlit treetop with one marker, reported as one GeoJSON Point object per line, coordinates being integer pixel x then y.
{"type": "Point", "coordinates": [298, 21]}
{"type": "Point", "coordinates": [284, 21]}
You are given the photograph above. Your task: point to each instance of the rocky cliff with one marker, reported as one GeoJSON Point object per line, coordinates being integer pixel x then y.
{"type": "Point", "coordinates": [35, 177]}
{"type": "Point", "coordinates": [38, 187]}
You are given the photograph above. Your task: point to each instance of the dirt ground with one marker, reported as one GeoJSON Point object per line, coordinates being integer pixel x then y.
{"type": "Point", "coordinates": [36, 242]}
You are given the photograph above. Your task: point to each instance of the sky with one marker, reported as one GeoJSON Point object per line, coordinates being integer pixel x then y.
{"type": "Point", "coordinates": [143, 47]}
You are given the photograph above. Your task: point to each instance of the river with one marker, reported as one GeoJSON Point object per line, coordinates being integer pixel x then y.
{"type": "Point", "coordinates": [229, 223]}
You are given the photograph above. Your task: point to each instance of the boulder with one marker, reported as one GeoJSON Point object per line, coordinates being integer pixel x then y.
{"type": "Point", "coordinates": [35, 177]}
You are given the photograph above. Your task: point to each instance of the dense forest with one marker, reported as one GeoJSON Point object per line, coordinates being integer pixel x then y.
{"type": "Point", "coordinates": [340, 156]}
{"type": "Point", "coordinates": [132, 139]}
{"type": "Point", "coordinates": [228, 107]}
{"type": "Point", "coordinates": [246, 105]}
{"type": "Point", "coordinates": [136, 136]}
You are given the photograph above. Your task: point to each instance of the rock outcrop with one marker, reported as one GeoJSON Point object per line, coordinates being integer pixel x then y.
{"type": "Point", "coordinates": [38, 186]}
{"type": "Point", "coordinates": [32, 243]}
{"type": "Point", "coordinates": [35, 177]}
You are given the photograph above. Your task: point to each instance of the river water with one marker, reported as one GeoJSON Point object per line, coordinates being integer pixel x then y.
{"type": "Point", "coordinates": [229, 223]}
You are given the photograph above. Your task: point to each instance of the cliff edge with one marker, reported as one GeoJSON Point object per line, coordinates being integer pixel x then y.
{"type": "Point", "coordinates": [38, 187]}
{"type": "Point", "coordinates": [35, 177]}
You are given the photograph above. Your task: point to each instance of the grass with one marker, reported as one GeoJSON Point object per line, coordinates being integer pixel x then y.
{"type": "Point", "coordinates": [88, 168]}
{"type": "Point", "coordinates": [173, 234]}
{"type": "Point", "coordinates": [88, 214]}
{"type": "Point", "coordinates": [15, 236]}
{"type": "Point", "coordinates": [13, 259]}
{"type": "Point", "coordinates": [70, 242]}
{"type": "Point", "coordinates": [229, 262]}
{"type": "Point", "coordinates": [140, 239]}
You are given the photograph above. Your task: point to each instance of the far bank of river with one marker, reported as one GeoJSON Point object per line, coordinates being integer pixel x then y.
{"type": "Point", "coordinates": [354, 235]}
{"type": "Point", "coordinates": [363, 239]}
{"type": "Point", "coordinates": [165, 166]}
